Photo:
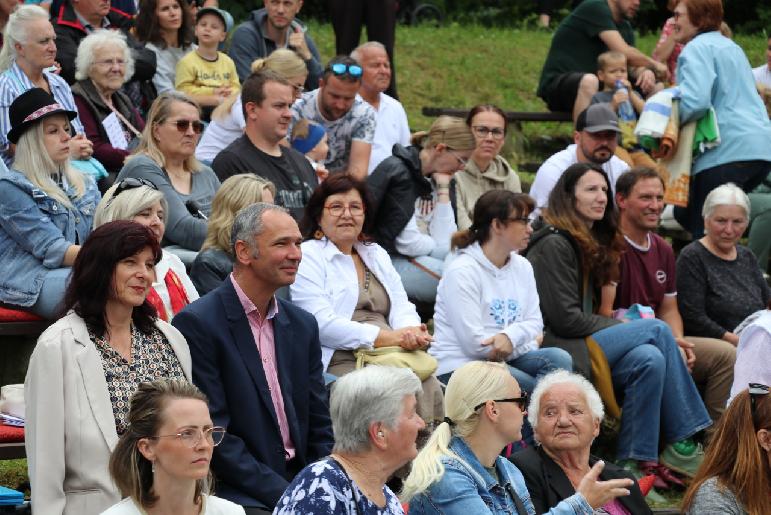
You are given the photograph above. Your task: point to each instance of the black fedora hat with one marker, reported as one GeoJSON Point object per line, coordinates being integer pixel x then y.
{"type": "Point", "coordinates": [31, 106]}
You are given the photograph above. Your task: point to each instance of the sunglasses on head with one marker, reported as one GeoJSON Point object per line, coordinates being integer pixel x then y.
{"type": "Point", "coordinates": [755, 391]}
{"type": "Point", "coordinates": [354, 70]}
{"type": "Point", "coordinates": [183, 125]}
{"type": "Point", "coordinates": [129, 184]}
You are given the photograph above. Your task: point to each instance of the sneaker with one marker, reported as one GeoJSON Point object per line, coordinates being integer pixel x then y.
{"type": "Point", "coordinates": [683, 457]}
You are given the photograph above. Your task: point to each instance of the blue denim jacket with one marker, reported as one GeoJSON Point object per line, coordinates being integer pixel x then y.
{"type": "Point", "coordinates": [35, 232]}
{"type": "Point", "coordinates": [467, 488]}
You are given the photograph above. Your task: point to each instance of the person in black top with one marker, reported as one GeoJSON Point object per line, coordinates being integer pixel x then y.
{"type": "Point", "coordinates": [266, 98]}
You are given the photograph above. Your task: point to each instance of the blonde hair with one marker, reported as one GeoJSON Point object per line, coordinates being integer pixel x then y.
{"type": "Point", "coordinates": [15, 31]}
{"type": "Point", "coordinates": [611, 56]}
{"type": "Point", "coordinates": [286, 63]}
{"type": "Point", "coordinates": [126, 205]}
{"type": "Point", "coordinates": [237, 192]}
{"type": "Point", "coordinates": [449, 130]}
{"type": "Point", "coordinates": [472, 384]}
{"type": "Point", "coordinates": [159, 112]}
{"type": "Point", "coordinates": [32, 159]}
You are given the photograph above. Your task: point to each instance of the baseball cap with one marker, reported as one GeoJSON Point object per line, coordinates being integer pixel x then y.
{"type": "Point", "coordinates": [225, 16]}
{"type": "Point", "coordinates": [597, 118]}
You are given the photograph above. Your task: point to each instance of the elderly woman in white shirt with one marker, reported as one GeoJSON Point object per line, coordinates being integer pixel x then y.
{"type": "Point", "coordinates": [140, 201]}
{"type": "Point", "coordinates": [351, 287]}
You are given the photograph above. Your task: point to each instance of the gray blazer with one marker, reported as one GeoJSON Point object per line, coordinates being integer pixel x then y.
{"type": "Point", "coordinates": [70, 427]}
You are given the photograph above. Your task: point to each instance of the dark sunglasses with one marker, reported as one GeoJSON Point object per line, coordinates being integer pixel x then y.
{"type": "Point", "coordinates": [756, 390]}
{"type": "Point", "coordinates": [520, 401]}
{"type": "Point", "coordinates": [183, 125]}
{"type": "Point", "coordinates": [354, 70]}
{"type": "Point", "coordinates": [129, 184]}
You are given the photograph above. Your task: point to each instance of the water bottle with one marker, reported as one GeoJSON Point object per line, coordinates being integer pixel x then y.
{"type": "Point", "coordinates": [627, 118]}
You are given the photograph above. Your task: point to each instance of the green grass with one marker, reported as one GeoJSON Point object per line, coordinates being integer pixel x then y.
{"type": "Point", "coordinates": [13, 473]}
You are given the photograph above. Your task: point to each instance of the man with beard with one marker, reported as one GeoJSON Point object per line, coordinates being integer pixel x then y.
{"type": "Point", "coordinates": [648, 278]}
{"type": "Point", "coordinates": [567, 80]}
{"type": "Point", "coordinates": [596, 137]}
{"type": "Point", "coordinates": [392, 126]}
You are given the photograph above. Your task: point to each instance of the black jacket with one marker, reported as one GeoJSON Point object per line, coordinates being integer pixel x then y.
{"type": "Point", "coordinates": [395, 185]}
{"type": "Point", "coordinates": [556, 261]}
{"type": "Point", "coordinates": [210, 268]}
{"type": "Point", "coordinates": [70, 32]}
{"type": "Point", "coordinates": [548, 484]}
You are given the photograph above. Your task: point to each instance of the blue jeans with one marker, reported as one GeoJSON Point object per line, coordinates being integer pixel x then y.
{"type": "Point", "coordinates": [49, 302]}
{"type": "Point", "coordinates": [659, 396]}
{"type": "Point", "coordinates": [419, 285]}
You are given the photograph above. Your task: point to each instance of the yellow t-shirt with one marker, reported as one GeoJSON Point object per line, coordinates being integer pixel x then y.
{"type": "Point", "coordinates": [197, 76]}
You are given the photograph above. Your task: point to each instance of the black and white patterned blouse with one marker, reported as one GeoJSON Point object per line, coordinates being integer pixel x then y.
{"type": "Point", "coordinates": [152, 357]}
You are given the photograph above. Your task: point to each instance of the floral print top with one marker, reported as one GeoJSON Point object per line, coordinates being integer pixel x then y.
{"type": "Point", "coordinates": [152, 357]}
{"type": "Point", "coordinates": [324, 488]}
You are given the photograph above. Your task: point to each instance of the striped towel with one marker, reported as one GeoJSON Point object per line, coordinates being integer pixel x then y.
{"type": "Point", "coordinates": [655, 116]}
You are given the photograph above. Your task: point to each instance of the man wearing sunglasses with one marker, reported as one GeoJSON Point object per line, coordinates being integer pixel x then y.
{"type": "Point", "coordinates": [274, 26]}
{"type": "Point", "coordinates": [392, 126]}
{"type": "Point", "coordinates": [349, 120]}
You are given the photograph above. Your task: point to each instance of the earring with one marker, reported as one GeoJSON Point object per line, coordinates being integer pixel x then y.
{"type": "Point", "coordinates": [152, 466]}
{"type": "Point", "coordinates": [318, 234]}
{"type": "Point", "coordinates": [380, 434]}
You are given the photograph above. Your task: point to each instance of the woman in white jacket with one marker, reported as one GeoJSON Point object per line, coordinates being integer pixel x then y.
{"type": "Point", "coordinates": [351, 287]}
{"type": "Point", "coordinates": [487, 304]}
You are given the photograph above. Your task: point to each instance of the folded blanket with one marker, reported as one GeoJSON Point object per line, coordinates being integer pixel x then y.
{"type": "Point", "coordinates": [679, 167]}
{"type": "Point", "coordinates": [656, 114]}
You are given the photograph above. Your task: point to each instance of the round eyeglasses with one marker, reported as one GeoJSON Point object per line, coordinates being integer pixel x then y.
{"type": "Point", "coordinates": [192, 436]}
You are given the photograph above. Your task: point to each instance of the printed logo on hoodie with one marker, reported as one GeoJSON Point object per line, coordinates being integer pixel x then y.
{"type": "Point", "coordinates": [504, 311]}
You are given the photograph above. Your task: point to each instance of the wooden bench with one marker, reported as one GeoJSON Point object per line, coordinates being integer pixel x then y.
{"type": "Point", "coordinates": [514, 119]}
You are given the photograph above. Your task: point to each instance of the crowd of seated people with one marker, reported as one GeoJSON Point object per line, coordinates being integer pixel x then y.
{"type": "Point", "coordinates": [228, 304]}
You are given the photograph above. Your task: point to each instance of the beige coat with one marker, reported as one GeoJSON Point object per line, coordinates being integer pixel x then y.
{"type": "Point", "coordinates": [471, 183]}
{"type": "Point", "coordinates": [70, 427]}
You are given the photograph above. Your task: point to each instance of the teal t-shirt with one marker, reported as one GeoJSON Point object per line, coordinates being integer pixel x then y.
{"type": "Point", "coordinates": [577, 44]}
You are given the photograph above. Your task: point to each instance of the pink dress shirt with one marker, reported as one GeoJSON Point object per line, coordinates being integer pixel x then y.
{"type": "Point", "coordinates": [262, 331]}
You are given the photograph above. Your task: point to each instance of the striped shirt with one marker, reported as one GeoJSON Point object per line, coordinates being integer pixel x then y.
{"type": "Point", "coordinates": [14, 82]}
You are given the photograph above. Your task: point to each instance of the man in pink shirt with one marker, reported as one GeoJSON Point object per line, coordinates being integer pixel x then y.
{"type": "Point", "coordinates": [258, 359]}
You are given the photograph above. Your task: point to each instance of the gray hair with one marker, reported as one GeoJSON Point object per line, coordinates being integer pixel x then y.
{"type": "Point", "coordinates": [564, 377]}
{"type": "Point", "coordinates": [356, 54]}
{"type": "Point", "coordinates": [128, 204]}
{"type": "Point", "coordinates": [369, 395]}
{"type": "Point", "coordinates": [247, 224]}
{"type": "Point", "coordinates": [726, 195]}
{"type": "Point", "coordinates": [98, 40]}
{"type": "Point", "coordinates": [15, 31]}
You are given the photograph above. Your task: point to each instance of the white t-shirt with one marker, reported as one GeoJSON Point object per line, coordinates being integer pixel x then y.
{"type": "Point", "coordinates": [552, 169]}
{"type": "Point", "coordinates": [762, 75]}
{"type": "Point", "coordinates": [168, 262]}
{"type": "Point", "coordinates": [211, 506]}
{"type": "Point", "coordinates": [392, 127]}
{"type": "Point", "coordinates": [221, 133]}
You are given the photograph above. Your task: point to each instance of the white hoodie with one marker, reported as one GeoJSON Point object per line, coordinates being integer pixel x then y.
{"type": "Point", "coordinates": [476, 300]}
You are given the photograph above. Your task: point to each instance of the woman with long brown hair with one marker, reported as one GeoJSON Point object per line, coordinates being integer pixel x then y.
{"type": "Point", "coordinates": [735, 477]}
{"type": "Point", "coordinates": [574, 255]}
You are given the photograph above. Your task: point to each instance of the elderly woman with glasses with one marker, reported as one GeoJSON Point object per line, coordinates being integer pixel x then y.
{"type": "Point", "coordinates": [719, 282]}
{"type": "Point", "coordinates": [566, 412]}
{"type": "Point", "coordinates": [161, 463]}
{"type": "Point", "coordinates": [140, 201]}
{"type": "Point", "coordinates": [486, 169]}
{"type": "Point", "coordinates": [112, 123]}
{"type": "Point", "coordinates": [735, 477]}
{"type": "Point", "coordinates": [375, 422]}
{"type": "Point", "coordinates": [460, 470]}
{"type": "Point", "coordinates": [86, 366]}
{"type": "Point", "coordinates": [165, 157]}
{"type": "Point", "coordinates": [349, 284]}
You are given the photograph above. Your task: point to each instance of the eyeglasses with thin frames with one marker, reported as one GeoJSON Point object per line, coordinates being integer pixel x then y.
{"type": "Point", "coordinates": [521, 219]}
{"type": "Point", "coordinates": [184, 125]}
{"type": "Point", "coordinates": [338, 209]}
{"type": "Point", "coordinates": [461, 161]}
{"type": "Point", "coordinates": [482, 132]}
{"type": "Point", "coordinates": [520, 401]}
{"type": "Point", "coordinates": [192, 436]}
{"type": "Point", "coordinates": [109, 63]}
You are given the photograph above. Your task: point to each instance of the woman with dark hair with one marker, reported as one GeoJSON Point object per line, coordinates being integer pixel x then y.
{"type": "Point", "coordinates": [161, 463]}
{"type": "Point", "coordinates": [487, 303]}
{"type": "Point", "coordinates": [166, 28]}
{"type": "Point", "coordinates": [574, 255]}
{"type": "Point", "coordinates": [714, 75]}
{"type": "Point", "coordinates": [486, 169]}
{"type": "Point", "coordinates": [349, 284]}
{"type": "Point", "coordinates": [87, 365]}
{"type": "Point", "coordinates": [735, 478]}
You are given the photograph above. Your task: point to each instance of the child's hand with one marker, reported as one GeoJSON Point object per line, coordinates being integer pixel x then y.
{"type": "Point", "coordinates": [222, 91]}
{"type": "Point", "coordinates": [619, 97]}
{"type": "Point", "coordinates": [321, 172]}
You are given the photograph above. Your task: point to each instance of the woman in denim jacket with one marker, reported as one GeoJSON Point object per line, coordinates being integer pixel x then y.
{"type": "Point", "coordinates": [46, 207]}
{"type": "Point", "coordinates": [460, 470]}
